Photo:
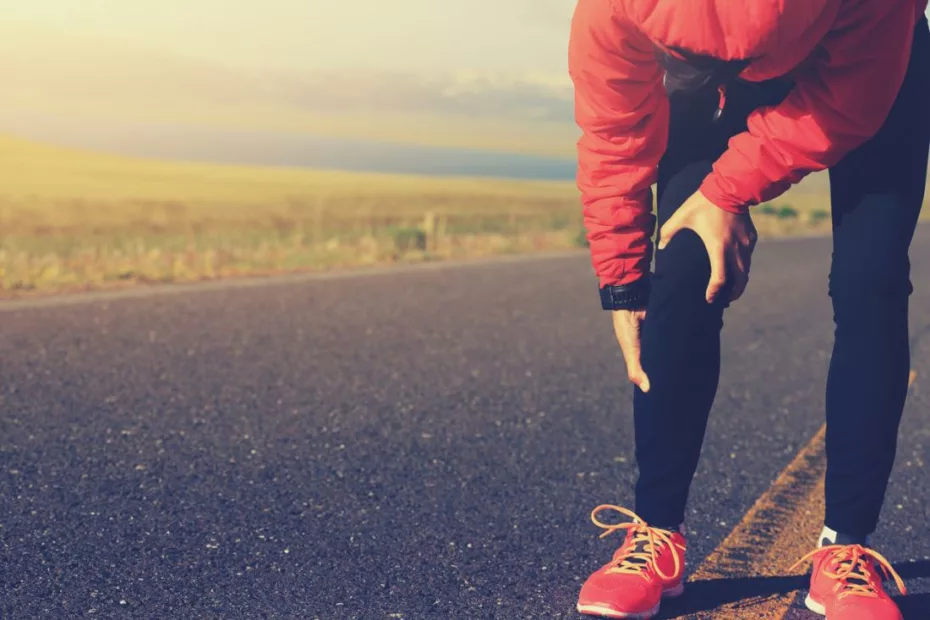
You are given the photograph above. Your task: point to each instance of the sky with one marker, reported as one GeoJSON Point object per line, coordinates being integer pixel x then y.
{"type": "Point", "coordinates": [491, 73]}
{"type": "Point", "coordinates": [516, 36]}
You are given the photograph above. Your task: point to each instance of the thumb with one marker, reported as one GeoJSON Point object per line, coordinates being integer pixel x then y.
{"type": "Point", "coordinates": [634, 368]}
{"type": "Point", "coordinates": [671, 228]}
{"type": "Point", "coordinates": [627, 326]}
{"type": "Point", "coordinates": [639, 378]}
{"type": "Point", "coordinates": [718, 272]}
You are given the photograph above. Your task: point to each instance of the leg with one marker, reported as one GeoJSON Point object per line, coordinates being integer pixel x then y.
{"type": "Point", "coordinates": [681, 355]}
{"type": "Point", "coordinates": [681, 334]}
{"type": "Point", "coordinates": [877, 192]}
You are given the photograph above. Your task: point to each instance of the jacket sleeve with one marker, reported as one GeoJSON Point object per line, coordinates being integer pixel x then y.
{"type": "Point", "coordinates": [837, 105]}
{"type": "Point", "coordinates": [622, 111]}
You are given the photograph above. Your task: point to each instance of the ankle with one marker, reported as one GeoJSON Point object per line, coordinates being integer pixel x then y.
{"type": "Point", "coordinates": [829, 536]}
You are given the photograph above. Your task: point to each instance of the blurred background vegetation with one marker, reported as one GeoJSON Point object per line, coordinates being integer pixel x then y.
{"type": "Point", "coordinates": [181, 140]}
{"type": "Point", "coordinates": [72, 219]}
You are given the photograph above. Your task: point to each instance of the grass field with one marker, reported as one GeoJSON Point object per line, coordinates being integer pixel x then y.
{"type": "Point", "coordinates": [74, 220]}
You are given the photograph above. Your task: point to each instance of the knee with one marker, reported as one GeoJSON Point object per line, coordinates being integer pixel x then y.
{"type": "Point", "coordinates": [865, 278]}
{"type": "Point", "coordinates": [685, 259]}
{"type": "Point", "coordinates": [679, 185]}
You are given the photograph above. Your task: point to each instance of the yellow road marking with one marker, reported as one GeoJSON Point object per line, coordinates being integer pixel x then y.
{"type": "Point", "coordinates": [780, 527]}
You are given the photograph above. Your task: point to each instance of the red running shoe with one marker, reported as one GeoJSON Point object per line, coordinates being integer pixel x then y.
{"type": "Point", "coordinates": [648, 566]}
{"type": "Point", "coordinates": [846, 584]}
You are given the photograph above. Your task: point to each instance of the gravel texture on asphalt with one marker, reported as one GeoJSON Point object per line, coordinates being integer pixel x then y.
{"type": "Point", "coordinates": [426, 443]}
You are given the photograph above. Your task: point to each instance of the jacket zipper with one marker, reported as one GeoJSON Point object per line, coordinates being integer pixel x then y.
{"type": "Point", "coordinates": [721, 102]}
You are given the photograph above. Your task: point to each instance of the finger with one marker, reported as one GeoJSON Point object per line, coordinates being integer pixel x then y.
{"type": "Point", "coordinates": [671, 228]}
{"type": "Point", "coordinates": [634, 368]}
{"type": "Point", "coordinates": [748, 235]}
{"type": "Point", "coordinates": [631, 347]}
{"type": "Point", "coordinates": [718, 272]}
{"type": "Point", "coordinates": [745, 255]}
{"type": "Point", "coordinates": [739, 274]}
{"type": "Point", "coordinates": [637, 375]}
{"type": "Point", "coordinates": [746, 240]}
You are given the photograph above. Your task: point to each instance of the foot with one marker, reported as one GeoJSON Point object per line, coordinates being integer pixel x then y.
{"type": "Point", "coordinates": [846, 584]}
{"type": "Point", "coordinates": [648, 566]}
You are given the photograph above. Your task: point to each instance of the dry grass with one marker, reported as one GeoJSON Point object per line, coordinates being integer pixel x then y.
{"type": "Point", "coordinates": [70, 219]}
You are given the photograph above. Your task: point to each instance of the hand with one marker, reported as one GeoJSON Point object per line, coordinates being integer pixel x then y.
{"type": "Point", "coordinates": [627, 326]}
{"type": "Point", "coordinates": [729, 238]}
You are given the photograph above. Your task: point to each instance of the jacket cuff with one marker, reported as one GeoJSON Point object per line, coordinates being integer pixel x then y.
{"type": "Point", "coordinates": [632, 296]}
{"type": "Point", "coordinates": [712, 190]}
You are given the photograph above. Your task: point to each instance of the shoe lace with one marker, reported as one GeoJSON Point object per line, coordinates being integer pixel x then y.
{"type": "Point", "coordinates": [643, 547]}
{"type": "Point", "coordinates": [853, 571]}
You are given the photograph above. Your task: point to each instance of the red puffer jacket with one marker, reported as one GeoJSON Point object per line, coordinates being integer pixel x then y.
{"type": "Point", "coordinates": [847, 57]}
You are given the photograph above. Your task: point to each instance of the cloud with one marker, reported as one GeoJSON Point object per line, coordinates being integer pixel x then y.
{"type": "Point", "coordinates": [51, 66]}
{"type": "Point", "coordinates": [470, 93]}
{"type": "Point", "coordinates": [553, 13]}
{"type": "Point", "coordinates": [406, 35]}
{"type": "Point", "coordinates": [81, 79]}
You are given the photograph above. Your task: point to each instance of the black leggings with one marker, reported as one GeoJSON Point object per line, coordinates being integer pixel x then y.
{"type": "Point", "coordinates": [877, 192]}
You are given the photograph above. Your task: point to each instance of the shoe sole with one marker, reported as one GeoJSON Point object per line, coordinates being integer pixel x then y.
{"type": "Point", "coordinates": [814, 606]}
{"type": "Point", "coordinates": [607, 612]}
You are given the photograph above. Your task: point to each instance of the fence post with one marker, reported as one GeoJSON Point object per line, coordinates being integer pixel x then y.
{"type": "Point", "coordinates": [429, 229]}
{"type": "Point", "coordinates": [318, 220]}
{"type": "Point", "coordinates": [442, 230]}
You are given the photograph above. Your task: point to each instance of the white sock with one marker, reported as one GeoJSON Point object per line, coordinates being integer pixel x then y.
{"type": "Point", "coordinates": [828, 537]}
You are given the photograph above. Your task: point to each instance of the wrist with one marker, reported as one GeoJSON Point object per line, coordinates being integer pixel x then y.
{"type": "Point", "coordinates": [712, 191]}
{"type": "Point", "coordinates": [632, 296]}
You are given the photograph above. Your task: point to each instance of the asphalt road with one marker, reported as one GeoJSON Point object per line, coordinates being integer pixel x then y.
{"type": "Point", "coordinates": [426, 443]}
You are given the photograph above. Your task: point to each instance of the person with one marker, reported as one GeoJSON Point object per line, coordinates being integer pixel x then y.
{"type": "Point", "coordinates": [725, 104]}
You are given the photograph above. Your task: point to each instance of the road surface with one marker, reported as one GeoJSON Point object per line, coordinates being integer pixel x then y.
{"type": "Point", "coordinates": [412, 443]}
